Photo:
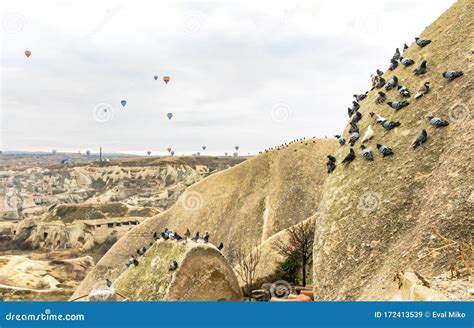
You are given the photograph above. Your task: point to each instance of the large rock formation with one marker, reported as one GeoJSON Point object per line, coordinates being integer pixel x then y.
{"type": "Point", "coordinates": [244, 205]}
{"type": "Point", "coordinates": [413, 209]}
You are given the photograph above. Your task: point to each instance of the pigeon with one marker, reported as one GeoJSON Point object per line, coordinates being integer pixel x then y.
{"type": "Point", "coordinates": [177, 236]}
{"type": "Point", "coordinates": [422, 42]}
{"type": "Point", "coordinates": [379, 72]}
{"type": "Point", "coordinates": [381, 97]}
{"type": "Point", "coordinates": [361, 96]}
{"type": "Point", "coordinates": [340, 139]}
{"type": "Point", "coordinates": [206, 237]}
{"type": "Point", "coordinates": [141, 250]}
{"type": "Point", "coordinates": [384, 150]}
{"type": "Point", "coordinates": [380, 83]}
{"type": "Point", "coordinates": [421, 69]}
{"type": "Point", "coordinates": [423, 89]}
{"type": "Point", "coordinates": [173, 266]}
{"type": "Point", "coordinates": [437, 122]}
{"type": "Point", "coordinates": [349, 158]}
{"type": "Point", "coordinates": [357, 117]}
{"type": "Point", "coordinates": [331, 166]}
{"type": "Point", "coordinates": [369, 133]}
{"type": "Point", "coordinates": [374, 79]}
{"type": "Point", "coordinates": [392, 83]}
{"type": "Point", "coordinates": [132, 261]}
{"type": "Point", "coordinates": [221, 246]}
{"type": "Point", "coordinates": [421, 139]}
{"type": "Point", "coordinates": [155, 236]}
{"type": "Point", "coordinates": [355, 107]}
{"type": "Point", "coordinates": [165, 235]}
{"type": "Point", "coordinates": [396, 55]}
{"type": "Point", "coordinates": [353, 128]}
{"type": "Point", "coordinates": [406, 61]}
{"type": "Point", "coordinates": [331, 158]}
{"type": "Point", "coordinates": [388, 125]}
{"type": "Point", "coordinates": [108, 283]}
{"type": "Point", "coordinates": [393, 64]}
{"type": "Point", "coordinates": [354, 137]}
{"type": "Point", "coordinates": [397, 105]}
{"type": "Point", "coordinates": [451, 75]}
{"type": "Point", "coordinates": [367, 153]}
{"type": "Point", "coordinates": [196, 237]}
{"type": "Point", "coordinates": [404, 91]}
{"type": "Point", "coordinates": [405, 47]}
{"type": "Point", "coordinates": [376, 117]}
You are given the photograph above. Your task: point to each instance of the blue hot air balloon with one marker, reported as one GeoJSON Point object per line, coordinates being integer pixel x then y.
{"type": "Point", "coordinates": [123, 102]}
{"type": "Point", "coordinates": [170, 115]}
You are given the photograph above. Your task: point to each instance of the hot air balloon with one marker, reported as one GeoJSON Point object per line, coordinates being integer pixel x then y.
{"type": "Point", "coordinates": [166, 79]}
{"type": "Point", "coordinates": [198, 153]}
{"type": "Point", "coordinates": [168, 149]}
{"type": "Point", "coordinates": [155, 77]}
{"type": "Point", "coordinates": [225, 154]}
{"type": "Point", "coordinates": [236, 154]}
{"type": "Point", "coordinates": [123, 102]}
{"type": "Point", "coordinates": [27, 53]}
{"type": "Point", "coordinates": [236, 147]}
{"type": "Point", "coordinates": [149, 153]}
{"type": "Point", "coordinates": [204, 147]}
{"type": "Point", "coordinates": [172, 153]}
{"type": "Point", "coordinates": [170, 115]}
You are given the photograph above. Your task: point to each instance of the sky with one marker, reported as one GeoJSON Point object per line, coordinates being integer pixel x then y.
{"type": "Point", "coordinates": [248, 73]}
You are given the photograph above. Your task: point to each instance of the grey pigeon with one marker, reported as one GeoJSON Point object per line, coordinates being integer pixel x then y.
{"type": "Point", "coordinates": [381, 97]}
{"type": "Point", "coordinates": [132, 260]}
{"type": "Point", "coordinates": [340, 139]}
{"type": "Point", "coordinates": [206, 237]}
{"type": "Point", "coordinates": [108, 283]}
{"type": "Point", "coordinates": [397, 105]}
{"type": "Point", "coordinates": [361, 96]}
{"type": "Point", "coordinates": [354, 137]}
{"type": "Point", "coordinates": [367, 153]}
{"type": "Point", "coordinates": [380, 83]}
{"type": "Point", "coordinates": [421, 139]}
{"type": "Point", "coordinates": [451, 75]}
{"type": "Point", "coordinates": [379, 72]}
{"type": "Point", "coordinates": [173, 266]}
{"type": "Point", "coordinates": [357, 117]}
{"type": "Point", "coordinates": [141, 250]}
{"type": "Point", "coordinates": [421, 69]}
{"type": "Point", "coordinates": [384, 150]}
{"type": "Point", "coordinates": [404, 91]}
{"type": "Point", "coordinates": [388, 125]}
{"type": "Point", "coordinates": [422, 42]}
{"type": "Point", "coordinates": [349, 158]}
{"type": "Point", "coordinates": [437, 122]}
{"type": "Point", "coordinates": [396, 55]}
{"type": "Point", "coordinates": [331, 166]}
{"type": "Point", "coordinates": [196, 237]}
{"type": "Point", "coordinates": [405, 47]}
{"type": "Point", "coordinates": [393, 64]}
{"type": "Point", "coordinates": [355, 107]}
{"type": "Point", "coordinates": [406, 61]}
{"type": "Point", "coordinates": [155, 236]}
{"type": "Point", "coordinates": [353, 128]}
{"type": "Point", "coordinates": [331, 158]}
{"type": "Point", "coordinates": [392, 83]}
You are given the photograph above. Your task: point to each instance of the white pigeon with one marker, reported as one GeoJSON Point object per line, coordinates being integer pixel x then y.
{"type": "Point", "coordinates": [369, 133]}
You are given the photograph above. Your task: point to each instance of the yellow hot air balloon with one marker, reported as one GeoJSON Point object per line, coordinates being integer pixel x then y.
{"type": "Point", "coordinates": [166, 79]}
{"type": "Point", "coordinates": [27, 53]}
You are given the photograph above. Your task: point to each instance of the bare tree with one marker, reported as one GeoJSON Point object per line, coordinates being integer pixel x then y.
{"type": "Point", "coordinates": [248, 259]}
{"type": "Point", "coordinates": [299, 244]}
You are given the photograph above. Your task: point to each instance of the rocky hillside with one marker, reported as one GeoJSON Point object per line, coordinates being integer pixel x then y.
{"type": "Point", "coordinates": [244, 205]}
{"type": "Point", "coordinates": [412, 210]}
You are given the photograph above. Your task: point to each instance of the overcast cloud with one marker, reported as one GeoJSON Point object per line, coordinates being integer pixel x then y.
{"type": "Point", "coordinates": [248, 73]}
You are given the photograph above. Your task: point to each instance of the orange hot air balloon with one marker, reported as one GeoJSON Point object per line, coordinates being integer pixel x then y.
{"type": "Point", "coordinates": [27, 53]}
{"type": "Point", "coordinates": [166, 79]}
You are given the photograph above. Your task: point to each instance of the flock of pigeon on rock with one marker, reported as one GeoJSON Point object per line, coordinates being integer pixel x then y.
{"type": "Point", "coordinates": [170, 235]}
{"type": "Point", "coordinates": [287, 144]}
{"type": "Point", "coordinates": [378, 82]}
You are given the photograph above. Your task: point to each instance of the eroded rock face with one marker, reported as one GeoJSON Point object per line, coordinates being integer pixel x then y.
{"type": "Point", "coordinates": [203, 274]}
